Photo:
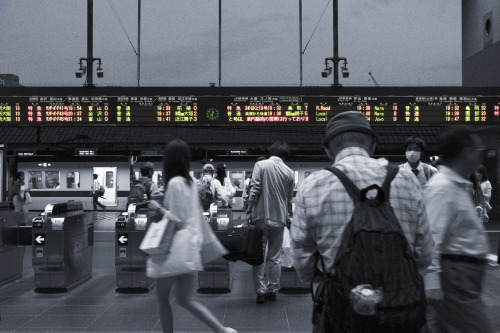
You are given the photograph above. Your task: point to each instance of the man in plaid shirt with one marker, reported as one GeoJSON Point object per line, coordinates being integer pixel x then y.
{"type": "Point", "coordinates": [323, 207]}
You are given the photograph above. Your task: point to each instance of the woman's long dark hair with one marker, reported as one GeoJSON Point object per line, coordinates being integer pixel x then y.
{"type": "Point", "coordinates": [221, 173]}
{"type": "Point", "coordinates": [482, 170]}
{"type": "Point", "coordinates": [176, 161]}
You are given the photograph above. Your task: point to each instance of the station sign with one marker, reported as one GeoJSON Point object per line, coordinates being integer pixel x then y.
{"type": "Point", "coordinates": [122, 239]}
{"type": "Point", "coordinates": [39, 239]}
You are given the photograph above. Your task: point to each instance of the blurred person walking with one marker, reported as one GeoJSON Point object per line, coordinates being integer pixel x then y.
{"type": "Point", "coordinates": [270, 208]}
{"type": "Point", "coordinates": [222, 177]}
{"type": "Point", "coordinates": [323, 210]}
{"type": "Point", "coordinates": [414, 151]}
{"type": "Point", "coordinates": [178, 201]}
{"type": "Point", "coordinates": [454, 281]}
{"type": "Point", "coordinates": [21, 198]}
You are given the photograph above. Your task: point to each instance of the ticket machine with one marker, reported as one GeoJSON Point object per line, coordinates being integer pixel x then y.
{"type": "Point", "coordinates": [130, 262]}
{"type": "Point", "coordinates": [63, 246]}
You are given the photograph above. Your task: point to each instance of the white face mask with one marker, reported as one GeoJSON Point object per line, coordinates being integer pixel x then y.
{"type": "Point", "coordinates": [412, 156]}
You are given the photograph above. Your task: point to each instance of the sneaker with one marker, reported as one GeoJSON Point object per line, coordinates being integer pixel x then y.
{"type": "Point", "coordinates": [260, 298]}
{"type": "Point", "coordinates": [271, 297]}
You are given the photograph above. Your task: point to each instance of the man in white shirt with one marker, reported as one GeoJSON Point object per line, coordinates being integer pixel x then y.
{"type": "Point", "coordinates": [454, 280]}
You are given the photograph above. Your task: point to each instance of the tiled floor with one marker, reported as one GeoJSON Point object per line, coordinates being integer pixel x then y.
{"type": "Point", "coordinates": [94, 306]}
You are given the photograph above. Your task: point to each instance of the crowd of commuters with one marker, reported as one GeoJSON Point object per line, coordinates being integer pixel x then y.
{"type": "Point", "coordinates": [436, 211]}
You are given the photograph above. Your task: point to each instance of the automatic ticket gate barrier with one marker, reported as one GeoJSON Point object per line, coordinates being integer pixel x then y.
{"type": "Point", "coordinates": [130, 262]}
{"type": "Point", "coordinates": [218, 274]}
{"type": "Point", "coordinates": [63, 245]}
{"type": "Point", "coordinates": [11, 253]}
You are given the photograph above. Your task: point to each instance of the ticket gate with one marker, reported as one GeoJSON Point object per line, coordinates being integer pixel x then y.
{"type": "Point", "coordinates": [218, 274]}
{"type": "Point", "coordinates": [11, 254]}
{"type": "Point", "coordinates": [290, 282]}
{"type": "Point", "coordinates": [130, 262]}
{"type": "Point", "coordinates": [63, 245]}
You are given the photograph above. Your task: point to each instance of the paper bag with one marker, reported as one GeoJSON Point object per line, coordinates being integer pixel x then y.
{"type": "Point", "coordinates": [183, 258]}
{"type": "Point", "coordinates": [211, 247]}
{"type": "Point", "coordinates": [158, 237]}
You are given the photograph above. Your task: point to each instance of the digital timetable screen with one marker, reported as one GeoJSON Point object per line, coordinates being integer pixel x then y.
{"type": "Point", "coordinates": [257, 106]}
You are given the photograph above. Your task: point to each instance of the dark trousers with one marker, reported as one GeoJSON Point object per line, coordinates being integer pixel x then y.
{"type": "Point", "coordinates": [462, 309]}
{"type": "Point", "coordinates": [96, 203]}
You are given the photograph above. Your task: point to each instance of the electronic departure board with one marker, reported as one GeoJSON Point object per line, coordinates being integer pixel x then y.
{"type": "Point", "coordinates": [244, 106]}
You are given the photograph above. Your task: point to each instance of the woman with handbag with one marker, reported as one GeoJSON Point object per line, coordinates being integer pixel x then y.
{"type": "Point", "coordinates": [181, 200]}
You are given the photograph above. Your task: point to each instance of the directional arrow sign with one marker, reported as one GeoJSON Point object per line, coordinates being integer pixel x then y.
{"type": "Point", "coordinates": [122, 239]}
{"type": "Point", "coordinates": [40, 239]}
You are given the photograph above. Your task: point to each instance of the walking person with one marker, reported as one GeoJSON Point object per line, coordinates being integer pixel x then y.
{"type": "Point", "coordinates": [178, 202]}
{"type": "Point", "coordinates": [21, 198]}
{"type": "Point", "coordinates": [222, 177]}
{"type": "Point", "coordinates": [323, 210]}
{"type": "Point", "coordinates": [270, 208]}
{"type": "Point", "coordinates": [414, 151]}
{"type": "Point", "coordinates": [454, 281]}
{"type": "Point", "coordinates": [96, 186]}
{"type": "Point", "coordinates": [213, 187]}
{"type": "Point", "coordinates": [482, 178]}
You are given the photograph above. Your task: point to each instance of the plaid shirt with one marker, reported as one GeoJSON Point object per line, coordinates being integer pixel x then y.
{"type": "Point", "coordinates": [323, 208]}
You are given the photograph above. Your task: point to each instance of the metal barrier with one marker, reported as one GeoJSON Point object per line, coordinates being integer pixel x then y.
{"type": "Point", "coordinates": [218, 274]}
{"type": "Point", "coordinates": [130, 262]}
{"type": "Point", "coordinates": [11, 254]}
{"type": "Point", "coordinates": [63, 245]}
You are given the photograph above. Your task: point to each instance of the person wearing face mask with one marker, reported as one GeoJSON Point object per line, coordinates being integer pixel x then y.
{"type": "Point", "coordinates": [415, 148]}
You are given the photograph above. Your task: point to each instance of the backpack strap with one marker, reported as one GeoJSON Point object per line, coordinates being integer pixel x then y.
{"type": "Point", "coordinates": [352, 189]}
{"type": "Point", "coordinates": [392, 171]}
{"type": "Point", "coordinates": [356, 194]}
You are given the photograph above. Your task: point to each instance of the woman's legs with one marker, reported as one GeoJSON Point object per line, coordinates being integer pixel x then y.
{"type": "Point", "coordinates": [184, 296]}
{"type": "Point", "coordinates": [163, 287]}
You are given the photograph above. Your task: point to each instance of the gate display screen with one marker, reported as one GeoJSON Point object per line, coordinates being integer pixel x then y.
{"type": "Point", "coordinates": [244, 106]}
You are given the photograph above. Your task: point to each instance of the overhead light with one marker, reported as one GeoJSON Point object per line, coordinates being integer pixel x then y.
{"type": "Point", "coordinates": [81, 72]}
{"type": "Point", "coordinates": [44, 165]}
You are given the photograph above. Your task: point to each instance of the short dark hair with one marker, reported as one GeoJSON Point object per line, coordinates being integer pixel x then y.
{"type": "Point", "coordinates": [482, 170]}
{"type": "Point", "coordinates": [453, 140]}
{"type": "Point", "coordinates": [280, 149]}
{"type": "Point", "coordinates": [416, 140]}
{"type": "Point", "coordinates": [95, 175]}
{"type": "Point", "coordinates": [146, 168]}
{"type": "Point", "coordinates": [176, 160]}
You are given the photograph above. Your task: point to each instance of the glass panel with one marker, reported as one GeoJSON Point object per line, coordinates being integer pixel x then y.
{"type": "Point", "coordinates": [35, 180]}
{"type": "Point", "coordinates": [52, 179]}
{"type": "Point", "coordinates": [73, 179]}
{"type": "Point", "coordinates": [110, 179]}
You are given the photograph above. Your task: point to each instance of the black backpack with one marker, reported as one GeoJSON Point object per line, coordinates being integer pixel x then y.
{"type": "Point", "coordinates": [374, 251]}
{"type": "Point", "coordinates": [205, 192]}
{"type": "Point", "coordinates": [138, 190]}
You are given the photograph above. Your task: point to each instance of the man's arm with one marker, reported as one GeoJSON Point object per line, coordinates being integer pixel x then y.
{"type": "Point", "coordinates": [255, 187]}
{"type": "Point", "coordinates": [303, 246]}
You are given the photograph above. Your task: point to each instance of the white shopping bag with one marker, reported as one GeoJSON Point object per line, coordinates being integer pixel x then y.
{"type": "Point", "coordinates": [286, 251]}
{"type": "Point", "coordinates": [158, 237]}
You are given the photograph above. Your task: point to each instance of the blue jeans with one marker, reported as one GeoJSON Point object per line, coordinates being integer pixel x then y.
{"type": "Point", "coordinates": [272, 242]}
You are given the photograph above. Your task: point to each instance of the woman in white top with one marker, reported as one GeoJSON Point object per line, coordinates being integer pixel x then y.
{"type": "Point", "coordinates": [482, 177]}
{"type": "Point", "coordinates": [226, 184]}
{"type": "Point", "coordinates": [178, 201]}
